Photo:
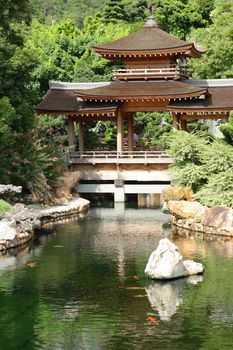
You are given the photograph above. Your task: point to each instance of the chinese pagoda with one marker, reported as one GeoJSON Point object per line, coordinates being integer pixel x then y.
{"type": "Point", "coordinates": [154, 78]}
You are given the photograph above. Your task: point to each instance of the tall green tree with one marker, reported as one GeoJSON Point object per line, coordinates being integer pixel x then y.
{"type": "Point", "coordinates": [136, 10]}
{"type": "Point", "coordinates": [180, 16]}
{"type": "Point", "coordinates": [114, 10]}
{"type": "Point", "coordinates": [218, 42]}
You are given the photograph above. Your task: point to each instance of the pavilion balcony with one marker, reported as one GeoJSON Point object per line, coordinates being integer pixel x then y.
{"type": "Point", "coordinates": [112, 157]}
{"type": "Point", "coordinates": [172, 72]}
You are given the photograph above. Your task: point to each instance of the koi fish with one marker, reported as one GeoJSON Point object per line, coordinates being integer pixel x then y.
{"type": "Point", "coordinates": [152, 320]}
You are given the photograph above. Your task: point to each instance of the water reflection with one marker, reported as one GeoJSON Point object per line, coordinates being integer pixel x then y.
{"type": "Point", "coordinates": [166, 297]}
{"type": "Point", "coordinates": [87, 289]}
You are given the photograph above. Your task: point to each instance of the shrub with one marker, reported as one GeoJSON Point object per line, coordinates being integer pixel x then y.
{"type": "Point", "coordinates": [227, 131]}
{"type": "Point", "coordinates": [205, 167]}
{"type": "Point", "coordinates": [218, 191]}
{"type": "Point", "coordinates": [4, 206]}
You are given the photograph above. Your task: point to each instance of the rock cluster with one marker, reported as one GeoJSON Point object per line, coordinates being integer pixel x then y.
{"type": "Point", "coordinates": [166, 263]}
{"type": "Point", "coordinates": [178, 194]}
{"type": "Point", "coordinates": [9, 189]}
{"type": "Point", "coordinates": [19, 224]}
{"type": "Point", "coordinates": [193, 216]}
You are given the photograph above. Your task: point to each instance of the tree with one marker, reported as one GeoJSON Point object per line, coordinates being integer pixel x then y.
{"type": "Point", "coordinates": [227, 130]}
{"type": "Point", "coordinates": [136, 10]}
{"type": "Point", "coordinates": [114, 10]}
{"type": "Point", "coordinates": [218, 42]}
{"type": "Point", "coordinates": [205, 166]}
{"type": "Point", "coordinates": [50, 11]}
{"type": "Point", "coordinates": [180, 16]}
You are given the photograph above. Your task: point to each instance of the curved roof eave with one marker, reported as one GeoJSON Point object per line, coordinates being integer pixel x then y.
{"type": "Point", "coordinates": [134, 90]}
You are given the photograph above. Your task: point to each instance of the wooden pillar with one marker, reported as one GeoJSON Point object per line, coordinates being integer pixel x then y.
{"type": "Point", "coordinates": [71, 133]}
{"type": "Point", "coordinates": [130, 133]}
{"type": "Point", "coordinates": [120, 131]}
{"type": "Point", "coordinates": [81, 137]}
{"type": "Point", "coordinates": [183, 124]}
{"type": "Point", "coordinates": [176, 121]}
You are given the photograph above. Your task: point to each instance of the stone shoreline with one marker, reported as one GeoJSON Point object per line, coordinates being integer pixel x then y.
{"type": "Point", "coordinates": [191, 225]}
{"type": "Point", "coordinates": [42, 218]}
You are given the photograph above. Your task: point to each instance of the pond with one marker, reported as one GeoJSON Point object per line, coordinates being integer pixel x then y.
{"type": "Point", "coordinates": [82, 286]}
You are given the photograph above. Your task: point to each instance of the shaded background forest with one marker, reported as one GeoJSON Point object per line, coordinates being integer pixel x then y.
{"type": "Point", "coordinates": [52, 40]}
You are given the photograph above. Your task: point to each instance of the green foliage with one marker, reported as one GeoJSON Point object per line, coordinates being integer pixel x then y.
{"type": "Point", "coordinates": [151, 127]}
{"type": "Point", "coordinates": [65, 52]}
{"type": "Point", "coordinates": [217, 158]}
{"type": "Point", "coordinates": [114, 10]}
{"type": "Point", "coordinates": [52, 131]}
{"type": "Point", "coordinates": [227, 131]}
{"type": "Point", "coordinates": [204, 166]}
{"type": "Point", "coordinates": [25, 159]}
{"type": "Point", "coordinates": [180, 16]}
{"type": "Point", "coordinates": [110, 133]}
{"type": "Point", "coordinates": [4, 206]}
{"type": "Point", "coordinates": [218, 42]}
{"type": "Point", "coordinates": [136, 10]}
{"type": "Point", "coordinates": [218, 190]}
{"type": "Point", "coordinates": [7, 118]}
{"type": "Point", "coordinates": [50, 11]}
{"type": "Point", "coordinates": [91, 139]}
{"type": "Point", "coordinates": [186, 147]}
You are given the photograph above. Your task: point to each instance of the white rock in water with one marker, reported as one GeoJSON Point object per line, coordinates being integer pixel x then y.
{"type": "Point", "coordinates": [7, 229]}
{"type": "Point", "coordinates": [166, 262]}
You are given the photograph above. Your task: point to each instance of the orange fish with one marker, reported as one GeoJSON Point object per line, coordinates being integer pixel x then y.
{"type": "Point", "coordinates": [152, 319]}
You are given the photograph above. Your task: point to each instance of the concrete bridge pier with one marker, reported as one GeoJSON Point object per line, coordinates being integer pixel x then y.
{"type": "Point", "coordinates": [119, 191]}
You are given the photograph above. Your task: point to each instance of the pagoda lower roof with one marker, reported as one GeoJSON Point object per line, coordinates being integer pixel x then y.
{"type": "Point", "coordinates": [63, 98]}
{"type": "Point", "coordinates": [60, 102]}
{"type": "Point", "coordinates": [125, 90]}
{"type": "Point", "coordinates": [220, 97]}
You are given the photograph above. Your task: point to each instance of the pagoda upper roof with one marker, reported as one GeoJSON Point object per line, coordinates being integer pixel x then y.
{"type": "Point", "coordinates": [149, 40]}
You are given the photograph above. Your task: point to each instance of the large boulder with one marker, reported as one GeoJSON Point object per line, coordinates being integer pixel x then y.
{"type": "Point", "coordinates": [218, 217]}
{"type": "Point", "coordinates": [177, 194]}
{"type": "Point", "coordinates": [166, 262]}
{"type": "Point", "coordinates": [187, 210]}
{"type": "Point", "coordinates": [7, 229]}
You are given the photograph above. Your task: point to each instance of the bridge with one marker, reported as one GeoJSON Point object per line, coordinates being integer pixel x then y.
{"type": "Point", "coordinates": [143, 173]}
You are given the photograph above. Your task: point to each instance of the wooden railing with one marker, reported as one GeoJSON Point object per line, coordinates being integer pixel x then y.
{"type": "Point", "coordinates": [174, 71]}
{"type": "Point", "coordinates": [118, 157]}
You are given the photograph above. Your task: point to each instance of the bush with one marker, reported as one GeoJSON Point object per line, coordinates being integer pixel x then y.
{"type": "Point", "coordinates": [205, 167]}
{"type": "Point", "coordinates": [218, 191]}
{"type": "Point", "coordinates": [4, 206]}
{"type": "Point", "coordinates": [227, 131]}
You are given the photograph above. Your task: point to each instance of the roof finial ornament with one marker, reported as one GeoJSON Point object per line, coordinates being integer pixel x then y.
{"type": "Point", "coordinates": [151, 9]}
{"type": "Point", "coordinates": [151, 22]}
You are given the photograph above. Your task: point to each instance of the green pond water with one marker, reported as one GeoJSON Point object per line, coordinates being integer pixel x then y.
{"type": "Point", "coordinates": [82, 286]}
